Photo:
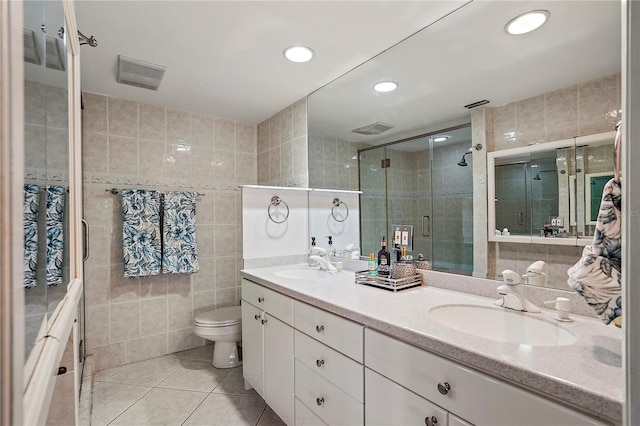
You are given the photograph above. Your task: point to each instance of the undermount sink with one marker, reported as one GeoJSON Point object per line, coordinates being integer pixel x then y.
{"type": "Point", "coordinates": [502, 325]}
{"type": "Point", "coordinates": [302, 273]}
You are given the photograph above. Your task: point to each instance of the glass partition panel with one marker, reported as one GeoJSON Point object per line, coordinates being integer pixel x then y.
{"type": "Point", "coordinates": [46, 164]}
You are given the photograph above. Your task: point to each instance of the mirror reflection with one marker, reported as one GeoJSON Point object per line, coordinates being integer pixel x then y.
{"type": "Point", "coordinates": [426, 185]}
{"type": "Point", "coordinates": [46, 164]}
{"type": "Point", "coordinates": [519, 91]}
{"type": "Point", "coordinates": [549, 190]}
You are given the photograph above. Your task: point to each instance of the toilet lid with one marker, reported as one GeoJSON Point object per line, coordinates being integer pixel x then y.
{"type": "Point", "coordinates": [220, 317]}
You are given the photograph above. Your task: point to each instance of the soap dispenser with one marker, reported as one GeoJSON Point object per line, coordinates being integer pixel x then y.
{"type": "Point", "coordinates": [310, 261]}
{"type": "Point", "coordinates": [332, 250]}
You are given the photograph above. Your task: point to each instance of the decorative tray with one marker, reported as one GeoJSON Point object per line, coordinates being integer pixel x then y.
{"type": "Point", "coordinates": [362, 277]}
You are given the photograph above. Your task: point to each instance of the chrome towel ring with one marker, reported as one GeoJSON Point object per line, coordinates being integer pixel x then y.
{"type": "Point", "coordinates": [336, 204]}
{"type": "Point", "coordinates": [275, 202]}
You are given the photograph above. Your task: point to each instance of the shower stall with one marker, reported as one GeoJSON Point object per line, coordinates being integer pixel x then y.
{"type": "Point", "coordinates": [424, 182]}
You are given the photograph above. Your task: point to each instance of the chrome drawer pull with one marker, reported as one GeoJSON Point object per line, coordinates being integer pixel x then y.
{"type": "Point", "coordinates": [260, 299]}
{"type": "Point", "coordinates": [257, 317]}
{"type": "Point", "coordinates": [430, 421]}
{"type": "Point", "coordinates": [319, 362]}
{"type": "Point", "coordinates": [264, 321]}
{"type": "Point", "coordinates": [319, 401]}
{"type": "Point", "coordinates": [444, 388]}
{"type": "Point", "coordinates": [319, 328]}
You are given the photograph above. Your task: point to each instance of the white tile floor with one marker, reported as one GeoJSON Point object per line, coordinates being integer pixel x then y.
{"type": "Point", "coordinates": [177, 389]}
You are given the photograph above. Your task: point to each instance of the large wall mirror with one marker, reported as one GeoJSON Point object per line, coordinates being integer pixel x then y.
{"type": "Point", "coordinates": [46, 164]}
{"type": "Point", "coordinates": [548, 85]}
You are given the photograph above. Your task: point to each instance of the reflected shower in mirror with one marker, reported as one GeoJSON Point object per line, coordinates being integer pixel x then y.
{"type": "Point", "coordinates": [420, 183]}
{"type": "Point", "coordinates": [550, 190]}
{"type": "Point", "coordinates": [46, 164]}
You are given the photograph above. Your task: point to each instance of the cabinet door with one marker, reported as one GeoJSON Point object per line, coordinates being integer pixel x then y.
{"type": "Point", "coordinates": [387, 403]}
{"type": "Point", "coordinates": [252, 349]}
{"type": "Point", "coordinates": [278, 367]}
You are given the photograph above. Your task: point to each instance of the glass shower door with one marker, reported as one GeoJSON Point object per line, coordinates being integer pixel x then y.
{"type": "Point", "coordinates": [423, 184]}
{"type": "Point", "coordinates": [452, 198]}
{"type": "Point", "coordinates": [373, 205]}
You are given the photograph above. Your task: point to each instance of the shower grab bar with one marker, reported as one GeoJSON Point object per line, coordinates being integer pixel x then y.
{"type": "Point", "coordinates": [521, 218]}
{"type": "Point", "coordinates": [428, 227]}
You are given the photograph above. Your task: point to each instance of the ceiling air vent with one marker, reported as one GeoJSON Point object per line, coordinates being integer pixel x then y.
{"type": "Point", "coordinates": [139, 73]}
{"type": "Point", "coordinates": [373, 129]}
{"type": "Point", "coordinates": [476, 104]}
{"type": "Point", "coordinates": [30, 47]}
{"type": "Point", "coordinates": [54, 54]}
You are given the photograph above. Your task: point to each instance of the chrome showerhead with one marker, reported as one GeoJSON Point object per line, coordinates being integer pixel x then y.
{"type": "Point", "coordinates": [463, 161]}
{"type": "Point", "coordinates": [537, 176]}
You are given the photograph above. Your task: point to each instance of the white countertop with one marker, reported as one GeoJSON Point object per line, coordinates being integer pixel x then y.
{"type": "Point", "coordinates": [587, 374]}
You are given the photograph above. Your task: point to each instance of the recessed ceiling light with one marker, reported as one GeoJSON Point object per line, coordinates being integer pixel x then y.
{"type": "Point", "coordinates": [527, 22]}
{"type": "Point", "coordinates": [441, 138]}
{"type": "Point", "coordinates": [298, 54]}
{"type": "Point", "coordinates": [385, 86]}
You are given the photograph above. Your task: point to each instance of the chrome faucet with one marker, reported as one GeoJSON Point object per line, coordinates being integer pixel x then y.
{"type": "Point", "coordinates": [511, 292]}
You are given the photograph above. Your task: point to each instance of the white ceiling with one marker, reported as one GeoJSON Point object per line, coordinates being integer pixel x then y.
{"type": "Point", "coordinates": [225, 57]}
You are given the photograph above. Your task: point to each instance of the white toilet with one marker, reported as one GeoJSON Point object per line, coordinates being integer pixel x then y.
{"type": "Point", "coordinates": [223, 327]}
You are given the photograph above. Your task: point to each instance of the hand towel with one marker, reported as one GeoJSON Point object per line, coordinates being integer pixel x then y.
{"type": "Point", "coordinates": [596, 276]}
{"type": "Point", "coordinates": [141, 232]}
{"type": "Point", "coordinates": [55, 233]}
{"type": "Point", "coordinates": [179, 253]}
{"type": "Point", "coordinates": [30, 223]}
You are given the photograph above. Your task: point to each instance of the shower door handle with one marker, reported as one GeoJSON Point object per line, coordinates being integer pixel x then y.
{"type": "Point", "coordinates": [521, 218]}
{"type": "Point", "coordinates": [426, 230]}
{"type": "Point", "coordinates": [85, 237]}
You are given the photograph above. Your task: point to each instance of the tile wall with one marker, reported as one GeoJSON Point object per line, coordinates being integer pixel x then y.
{"type": "Point", "coordinates": [333, 163]}
{"type": "Point", "coordinates": [132, 145]}
{"type": "Point", "coordinates": [282, 147]}
{"type": "Point", "coordinates": [582, 109]}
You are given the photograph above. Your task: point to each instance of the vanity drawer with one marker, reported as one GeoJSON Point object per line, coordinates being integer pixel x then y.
{"type": "Point", "coordinates": [474, 396]}
{"type": "Point", "coordinates": [341, 334]}
{"type": "Point", "coordinates": [388, 403]}
{"type": "Point", "coordinates": [339, 369]}
{"type": "Point", "coordinates": [276, 304]}
{"type": "Point", "coordinates": [306, 417]}
{"type": "Point", "coordinates": [328, 402]}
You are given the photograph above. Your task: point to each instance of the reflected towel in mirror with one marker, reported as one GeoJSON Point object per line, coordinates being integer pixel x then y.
{"type": "Point", "coordinates": [30, 221]}
{"type": "Point", "coordinates": [55, 233]}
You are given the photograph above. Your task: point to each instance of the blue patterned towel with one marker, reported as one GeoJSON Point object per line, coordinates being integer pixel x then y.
{"type": "Point", "coordinates": [141, 232]}
{"type": "Point", "coordinates": [596, 276]}
{"type": "Point", "coordinates": [31, 201]}
{"type": "Point", "coordinates": [55, 234]}
{"type": "Point", "coordinates": [180, 252]}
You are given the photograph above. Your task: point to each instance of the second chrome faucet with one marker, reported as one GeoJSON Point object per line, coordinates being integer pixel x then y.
{"type": "Point", "coordinates": [511, 292]}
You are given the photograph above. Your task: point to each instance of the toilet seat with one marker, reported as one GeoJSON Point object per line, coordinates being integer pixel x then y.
{"type": "Point", "coordinates": [222, 317]}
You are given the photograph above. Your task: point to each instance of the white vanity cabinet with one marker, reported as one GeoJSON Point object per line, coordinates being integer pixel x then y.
{"type": "Point", "coordinates": [267, 346]}
{"type": "Point", "coordinates": [469, 394]}
{"type": "Point", "coordinates": [329, 375]}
